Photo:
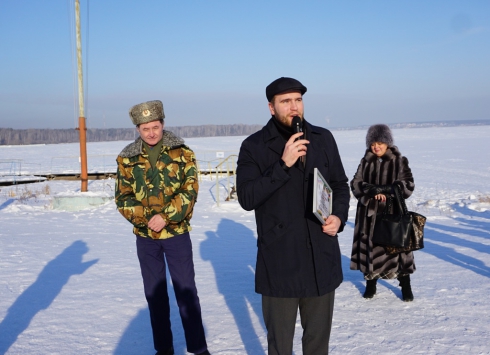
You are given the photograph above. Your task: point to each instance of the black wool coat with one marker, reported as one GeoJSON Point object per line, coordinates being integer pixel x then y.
{"type": "Point", "coordinates": [294, 257]}
{"type": "Point", "coordinates": [391, 168]}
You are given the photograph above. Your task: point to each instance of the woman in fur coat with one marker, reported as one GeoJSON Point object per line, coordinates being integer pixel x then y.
{"type": "Point", "coordinates": [382, 167]}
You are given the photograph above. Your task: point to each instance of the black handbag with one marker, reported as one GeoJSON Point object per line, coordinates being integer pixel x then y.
{"type": "Point", "coordinates": [412, 222]}
{"type": "Point", "coordinates": [393, 230]}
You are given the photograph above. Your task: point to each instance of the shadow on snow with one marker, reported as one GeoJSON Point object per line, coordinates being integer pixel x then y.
{"type": "Point", "coordinates": [235, 276]}
{"type": "Point", "coordinates": [43, 292]}
{"type": "Point", "coordinates": [137, 337]}
{"type": "Point", "coordinates": [7, 203]}
{"type": "Point", "coordinates": [472, 223]}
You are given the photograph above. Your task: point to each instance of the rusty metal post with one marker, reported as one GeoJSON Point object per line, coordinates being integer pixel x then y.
{"type": "Point", "coordinates": [83, 153]}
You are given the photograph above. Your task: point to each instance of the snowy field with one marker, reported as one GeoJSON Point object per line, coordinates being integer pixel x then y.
{"type": "Point", "coordinates": [70, 281]}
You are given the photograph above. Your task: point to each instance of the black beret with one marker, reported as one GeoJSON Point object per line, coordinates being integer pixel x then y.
{"type": "Point", "coordinates": [281, 85]}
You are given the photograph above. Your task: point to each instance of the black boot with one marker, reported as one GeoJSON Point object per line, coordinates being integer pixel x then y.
{"type": "Point", "coordinates": [370, 289]}
{"type": "Point", "coordinates": [407, 294]}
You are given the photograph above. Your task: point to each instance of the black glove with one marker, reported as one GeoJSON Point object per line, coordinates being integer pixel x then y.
{"type": "Point", "coordinates": [373, 190]}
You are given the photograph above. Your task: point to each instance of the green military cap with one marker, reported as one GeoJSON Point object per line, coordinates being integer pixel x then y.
{"type": "Point", "coordinates": [147, 112]}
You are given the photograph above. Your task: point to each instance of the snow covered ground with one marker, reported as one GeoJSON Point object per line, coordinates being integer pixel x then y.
{"type": "Point", "coordinates": [70, 281]}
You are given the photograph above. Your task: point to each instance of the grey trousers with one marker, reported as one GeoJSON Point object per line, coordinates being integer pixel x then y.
{"type": "Point", "coordinates": [280, 320]}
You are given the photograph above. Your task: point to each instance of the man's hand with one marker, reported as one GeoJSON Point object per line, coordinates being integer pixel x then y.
{"type": "Point", "coordinates": [156, 223]}
{"type": "Point", "coordinates": [332, 225]}
{"type": "Point", "coordinates": [293, 150]}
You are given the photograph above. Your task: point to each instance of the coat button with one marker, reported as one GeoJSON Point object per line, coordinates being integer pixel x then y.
{"type": "Point", "coordinates": [279, 225]}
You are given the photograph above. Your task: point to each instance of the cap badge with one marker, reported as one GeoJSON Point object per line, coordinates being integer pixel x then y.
{"type": "Point", "coordinates": [146, 113]}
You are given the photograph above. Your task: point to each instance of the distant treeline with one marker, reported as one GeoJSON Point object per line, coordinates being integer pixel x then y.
{"type": "Point", "coordinates": [9, 136]}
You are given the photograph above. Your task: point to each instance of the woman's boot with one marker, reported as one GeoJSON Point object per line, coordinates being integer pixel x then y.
{"type": "Point", "coordinates": [407, 294]}
{"type": "Point", "coordinates": [370, 289]}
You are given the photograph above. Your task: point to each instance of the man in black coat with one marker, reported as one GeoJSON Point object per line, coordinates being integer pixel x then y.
{"type": "Point", "coordinates": [298, 258]}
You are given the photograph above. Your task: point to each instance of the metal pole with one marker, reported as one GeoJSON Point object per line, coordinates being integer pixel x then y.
{"type": "Point", "coordinates": [228, 176]}
{"type": "Point", "coordinates": [81, 119]}
{"type": "Point", "coordinates": [217, 187]}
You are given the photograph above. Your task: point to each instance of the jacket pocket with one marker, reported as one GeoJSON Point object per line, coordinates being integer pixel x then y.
{"type": "Point", "coordinates": [136, 178]}
{"type": "Point", "coordinates": [136, 168]}
{"type": "Point", "coordinates": [275, 229]}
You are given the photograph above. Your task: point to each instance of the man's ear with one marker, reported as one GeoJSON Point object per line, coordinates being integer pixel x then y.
{"type": "Point", "coordinates": [271, 108]}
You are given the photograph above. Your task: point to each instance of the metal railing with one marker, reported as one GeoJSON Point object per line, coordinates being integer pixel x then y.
{"type": "Point", "coordinates": [15, 171]}
{"type": "Point", "coordinates": [104, 166]}
{"type": "Point", "coordinates": [230, 163]}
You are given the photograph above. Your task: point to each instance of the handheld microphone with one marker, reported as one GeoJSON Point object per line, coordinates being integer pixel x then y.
{"type": "Point", "coordinates": [297, 125]}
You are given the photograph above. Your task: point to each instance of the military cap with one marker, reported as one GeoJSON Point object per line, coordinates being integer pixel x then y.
{"type": "Point", "coordinates": [282, 85]}
{"type": "Point", "coordinates": [146, 112]}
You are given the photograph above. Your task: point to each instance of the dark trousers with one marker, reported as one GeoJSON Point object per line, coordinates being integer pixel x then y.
{"type": "Point", "coordinates": [178, 253]}
{"type": "Point", "coordinates": [280, 320]}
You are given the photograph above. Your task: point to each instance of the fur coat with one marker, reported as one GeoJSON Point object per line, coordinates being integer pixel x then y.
{"type": "Point", "coordinates": [371, 260]}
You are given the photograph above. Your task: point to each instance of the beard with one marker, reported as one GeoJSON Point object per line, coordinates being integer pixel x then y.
{"type": "Point", "coordinates": [286, 120]}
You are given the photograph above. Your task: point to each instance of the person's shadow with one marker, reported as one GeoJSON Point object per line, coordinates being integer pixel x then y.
{"type": "Point", "coordinates": [137, 338]}
{"type": "Point", "coordinates": [232, 251]}
{"type": "Point", "coordinates": [43, 292]}
{"type": "Point", "coordinates": [451, 254]}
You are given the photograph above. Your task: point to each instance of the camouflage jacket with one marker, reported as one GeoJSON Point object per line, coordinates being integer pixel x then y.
{"type": "Point", "coordinates": [169, 189]}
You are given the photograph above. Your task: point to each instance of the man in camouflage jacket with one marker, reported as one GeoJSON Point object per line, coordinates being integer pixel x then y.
{"type": "Point", "coordinates": [169, 189]}
{"type": "Point", "coordinates": [156, 189]}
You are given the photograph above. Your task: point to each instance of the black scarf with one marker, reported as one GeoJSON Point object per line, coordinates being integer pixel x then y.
{"type": "Point", "coordinates": [286, 132]}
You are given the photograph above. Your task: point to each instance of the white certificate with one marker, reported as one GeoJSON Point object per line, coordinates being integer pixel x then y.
{"type": "Point", "coordinates": [322, 197]}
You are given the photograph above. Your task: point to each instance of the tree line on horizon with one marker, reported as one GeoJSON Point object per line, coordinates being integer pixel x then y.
{"type": "Point", "coordinates": [10, 136]}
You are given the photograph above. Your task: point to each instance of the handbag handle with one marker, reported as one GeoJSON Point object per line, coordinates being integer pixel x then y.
{"type": "Point", "coordinates": [401, 201]}
{"type": "Point", "coordinates": [402, 206]}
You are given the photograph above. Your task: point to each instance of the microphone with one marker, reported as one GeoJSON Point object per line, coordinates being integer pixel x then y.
{"type": "Point", "coordinates": [297, 126]}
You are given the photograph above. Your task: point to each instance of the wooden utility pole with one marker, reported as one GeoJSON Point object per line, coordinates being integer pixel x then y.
{"type": "Point", "coordinates": [81, 119]}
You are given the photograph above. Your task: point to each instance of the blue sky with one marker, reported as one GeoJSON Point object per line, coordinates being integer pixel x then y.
{"type": "Point", "coordinates": [209, 61]}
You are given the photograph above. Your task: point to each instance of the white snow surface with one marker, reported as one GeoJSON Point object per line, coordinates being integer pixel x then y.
{"type": "Point", "coordinates": [70, 281]}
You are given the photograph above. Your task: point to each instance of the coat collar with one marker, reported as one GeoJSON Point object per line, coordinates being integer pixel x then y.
{"type": "Point", "coordinates": [170, 141]}
{"type": "Point", "coordinates": [276, 142]}
{"type": "Point", "coordinates": [273, 138]}
{"type": "Point", "coordinates": [391, 153]}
